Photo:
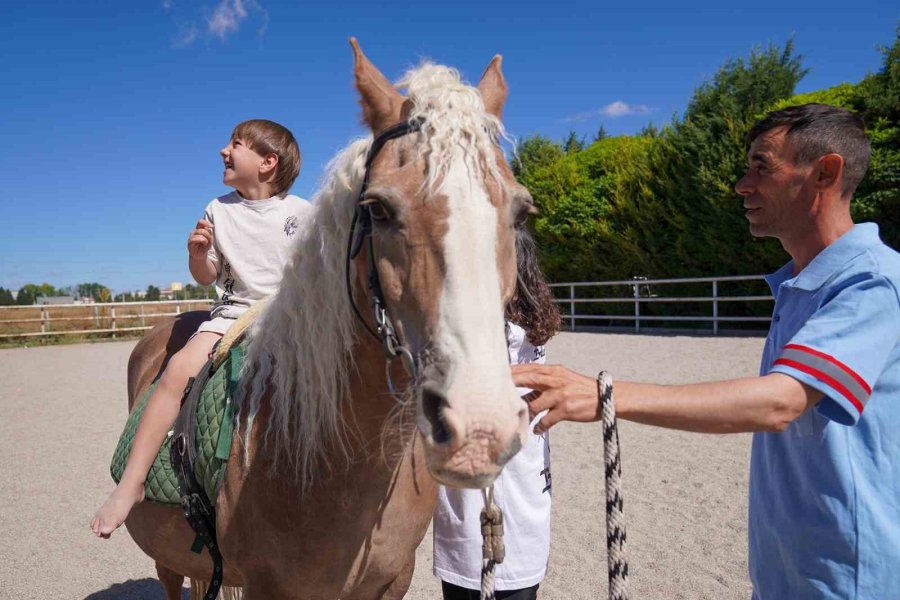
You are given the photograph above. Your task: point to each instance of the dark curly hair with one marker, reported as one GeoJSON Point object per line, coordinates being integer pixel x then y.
{"type": "Point", "coordinates": [532, 306]}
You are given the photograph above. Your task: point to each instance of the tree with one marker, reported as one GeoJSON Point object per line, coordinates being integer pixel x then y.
{"type": "Point", "coordinates": [534, 153]}
{"type": "Point", "coordinates": [152, 293]}
{"type": "Point", "coordinates": [25, 296]}
{"type": "Point", "coordinates": [573, 143]}
{"type": "Point", "coordinates": [91, 290]}
{"type": "Point", "coordinates": [601, 133]}
{"type": "Point", "coordinates": [6, 297]}
{"type": "Point", "coordinates": [649, 130]}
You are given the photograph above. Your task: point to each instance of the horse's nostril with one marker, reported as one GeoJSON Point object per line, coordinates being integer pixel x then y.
{"type": "Point", "coordinates": [433, 404]}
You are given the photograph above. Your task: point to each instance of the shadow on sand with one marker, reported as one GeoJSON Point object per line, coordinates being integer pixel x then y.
{"type": "Point", "coordinates": [135, 589]}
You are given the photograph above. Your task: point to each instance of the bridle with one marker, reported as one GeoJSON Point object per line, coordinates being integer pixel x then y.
{"type": "Point", "coordinates": [361, 231]}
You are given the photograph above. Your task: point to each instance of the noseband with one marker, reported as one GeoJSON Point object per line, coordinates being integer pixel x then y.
{"type": "Point", "coordinates": [360, 232]}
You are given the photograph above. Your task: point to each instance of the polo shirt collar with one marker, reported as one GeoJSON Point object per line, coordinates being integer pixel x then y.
{"type": "Point", "coordinates": [857, 240]}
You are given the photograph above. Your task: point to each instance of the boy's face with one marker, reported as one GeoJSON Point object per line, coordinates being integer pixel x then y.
{"type": "Point", "coordinates": [242, 164]}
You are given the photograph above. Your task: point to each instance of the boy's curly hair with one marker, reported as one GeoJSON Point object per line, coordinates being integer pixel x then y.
{"type": "Point", "coordinates": [267, 137]}
{"type": "Point", "coordinates": [532, 306]}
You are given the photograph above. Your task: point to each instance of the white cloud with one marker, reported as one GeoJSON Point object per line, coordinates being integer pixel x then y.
{"type": "Point", "coordinates": [612, 110]}
{"type": "Point", "coordinates": [186, 37]}
{"type": "Point", "coordinates": [621, 109]}
{"type": "Point", "coordinates": [226, 18]}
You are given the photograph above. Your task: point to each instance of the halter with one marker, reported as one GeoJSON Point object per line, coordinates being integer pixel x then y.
{"type": "Point", "coordinates": [360, 231]}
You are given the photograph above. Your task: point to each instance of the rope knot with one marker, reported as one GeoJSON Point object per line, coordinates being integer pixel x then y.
{"type": "Point", "coordinates": [492, 547]}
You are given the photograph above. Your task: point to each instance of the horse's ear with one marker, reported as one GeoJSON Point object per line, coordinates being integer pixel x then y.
{"type": "Point", "coordinates": [380, 101]}
{"type": "Point", "coordinates": [493, 88]}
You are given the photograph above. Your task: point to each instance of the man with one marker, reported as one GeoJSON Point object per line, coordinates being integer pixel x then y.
{"type": "Point", "coordinates": [824, 516]}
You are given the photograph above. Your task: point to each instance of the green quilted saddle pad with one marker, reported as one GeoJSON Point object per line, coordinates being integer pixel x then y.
{"type": "Point", "coordinates": [213, 440]}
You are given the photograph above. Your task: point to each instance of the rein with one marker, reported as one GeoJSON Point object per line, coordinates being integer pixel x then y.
{"type": "Point", "coordinates": [360, 232]}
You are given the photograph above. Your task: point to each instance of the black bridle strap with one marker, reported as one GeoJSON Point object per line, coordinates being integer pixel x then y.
{"type": "Point", "coordinates": [360, 229]}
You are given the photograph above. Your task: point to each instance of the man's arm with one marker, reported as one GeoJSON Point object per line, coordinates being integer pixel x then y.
{"type": "Point", "coordinates": [767, 403]}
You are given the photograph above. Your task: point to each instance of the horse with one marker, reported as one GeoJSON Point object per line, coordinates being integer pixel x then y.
{"type": "Point", "coordinates": [333, 473]}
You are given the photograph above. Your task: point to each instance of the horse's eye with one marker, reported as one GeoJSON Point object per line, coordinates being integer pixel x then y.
{"type": "Point", "coordinates": [523, 213]}
{"type": "Point", "coordinates": [378, 210]}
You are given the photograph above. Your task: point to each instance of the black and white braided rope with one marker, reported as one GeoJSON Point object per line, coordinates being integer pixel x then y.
{"type": "Point", "coordinates": [617, 561]}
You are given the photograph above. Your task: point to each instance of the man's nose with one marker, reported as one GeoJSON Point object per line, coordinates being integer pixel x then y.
{"type": "Point", "coordinates": [743, 187]}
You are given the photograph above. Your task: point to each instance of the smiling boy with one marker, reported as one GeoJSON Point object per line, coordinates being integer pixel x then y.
{"type": "Point", "coordinates": [242, 243]}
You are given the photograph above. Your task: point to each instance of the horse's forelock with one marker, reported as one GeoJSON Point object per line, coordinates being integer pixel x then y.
{"type": "Point", "coordinates": [454, 118]}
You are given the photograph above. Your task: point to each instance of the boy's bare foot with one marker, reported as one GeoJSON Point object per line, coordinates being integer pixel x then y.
{"type": "Point", "coordinates": [113, 512]}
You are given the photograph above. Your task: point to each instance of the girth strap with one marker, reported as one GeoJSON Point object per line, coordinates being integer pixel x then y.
{"type": "Point", "coordinates": [198, 510]}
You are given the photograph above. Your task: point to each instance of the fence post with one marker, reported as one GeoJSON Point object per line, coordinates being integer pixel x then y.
{"type": "Point", "coordinates": [96, 317]}
{"type": "Point", "coordinates": [715, 306]}
{"type": "Point", "coordinates": [637, 307]}
{"type": "Point", "coordinates": [177, 308]}
{"type": "Point", "coordinates": [143, 324]}
{"type": "Point", "coordinates": [572, 305]}
{"type": "Point", "coordinates": [113, 315]}
{"type": "Point", "coordinates": [43, 326]}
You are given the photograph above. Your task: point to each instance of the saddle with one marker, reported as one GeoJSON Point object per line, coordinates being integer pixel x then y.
{"type": "Point", "coordinates": [190, 466]}
{"type": "Point", "coordinates": [208, 405]}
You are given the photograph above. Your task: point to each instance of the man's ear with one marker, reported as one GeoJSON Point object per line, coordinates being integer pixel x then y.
{"type": "Point", "coordinates": [831, 171]}
{"type": "Point", "coordinates": [269, 164]}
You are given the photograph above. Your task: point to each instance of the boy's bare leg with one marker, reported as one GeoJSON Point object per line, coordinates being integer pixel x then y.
{"type": "Point", "coordinates": [162, 410]}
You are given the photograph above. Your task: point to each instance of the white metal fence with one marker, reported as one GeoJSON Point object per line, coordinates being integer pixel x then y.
{"type": "Point", "coordinates": [83, 319]}
{"type": "Point", "coordinates": [587, 303]}
{"type": "Point", "coordinates": [640, 292]}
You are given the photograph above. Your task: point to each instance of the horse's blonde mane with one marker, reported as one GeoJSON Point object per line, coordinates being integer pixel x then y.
{"type": "Point", "coordinates": [300, 349]}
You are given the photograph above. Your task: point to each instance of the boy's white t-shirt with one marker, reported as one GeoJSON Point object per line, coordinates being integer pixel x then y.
{"type": "Point", "coordinates": [252, 242]}
{"type": "Point", "coordinates": [522, 491]}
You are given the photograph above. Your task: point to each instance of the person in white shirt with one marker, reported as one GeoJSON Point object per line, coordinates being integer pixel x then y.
{"type": "Point", "coordinates": [242, 243]}
{"type": "Point", "coordinates": [522, 491]}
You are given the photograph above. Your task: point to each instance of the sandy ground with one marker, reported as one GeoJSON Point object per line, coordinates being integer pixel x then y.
{"type": "Point", "coordinates": [62, 409]}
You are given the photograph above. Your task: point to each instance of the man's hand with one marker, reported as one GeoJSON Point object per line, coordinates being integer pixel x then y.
{"type": "Point", "coordinates": [569, 396]}
{"type": "Point", "coordinates": [200, 240]}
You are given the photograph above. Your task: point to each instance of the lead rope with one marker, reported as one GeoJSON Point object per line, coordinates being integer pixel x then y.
{"type": "Point", "coordinates": [617, 561]}
{"type": "Point", "coordinates": [493, 551]}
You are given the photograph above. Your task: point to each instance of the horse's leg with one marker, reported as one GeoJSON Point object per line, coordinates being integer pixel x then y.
{"type": "Point", "coordinates": [398, 587]}
{"type": "Point", "coordinates": [171, 582]}
{"type": "Point", "coordinates": [263, 585]}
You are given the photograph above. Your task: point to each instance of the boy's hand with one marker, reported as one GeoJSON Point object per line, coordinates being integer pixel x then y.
{"type": "Point", "coordinates": [200, 240]}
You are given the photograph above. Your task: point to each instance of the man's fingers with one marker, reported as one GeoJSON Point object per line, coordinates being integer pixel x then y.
{"type": "Point", "coordinates": [549, 420]}
{"type": "Point", "coordinates": [548, 400]}
{"type": "Point", "coordinates": [537, 377]}
{"type": "Point", "coordinates": [204, 224]}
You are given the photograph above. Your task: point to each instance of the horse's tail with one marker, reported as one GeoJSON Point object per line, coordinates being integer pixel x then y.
{"type": "Point", "coordinates": [198, 590]}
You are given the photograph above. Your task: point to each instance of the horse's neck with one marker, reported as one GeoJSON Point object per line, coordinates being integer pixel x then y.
{"type": "Point", "coordinates": [370, 397]}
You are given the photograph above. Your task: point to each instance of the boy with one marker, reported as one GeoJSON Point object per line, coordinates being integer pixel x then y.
{"type": "Point", "coordinates": [242, 243]}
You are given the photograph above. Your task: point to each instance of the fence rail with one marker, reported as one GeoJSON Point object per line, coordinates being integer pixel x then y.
{"type": "Point", "coordinates": [83, 319]}
{"type": "Point", "coordinates": [641, 292]}
{"type": "Point", "coordinates": [120, 317]}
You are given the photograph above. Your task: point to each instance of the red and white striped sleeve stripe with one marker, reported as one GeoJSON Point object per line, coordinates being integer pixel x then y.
{"type": "Point", "coordinates": [826, 368]}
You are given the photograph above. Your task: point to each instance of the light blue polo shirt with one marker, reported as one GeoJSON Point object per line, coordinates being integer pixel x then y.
{"type": "Point", "coordinates": [825, 493]}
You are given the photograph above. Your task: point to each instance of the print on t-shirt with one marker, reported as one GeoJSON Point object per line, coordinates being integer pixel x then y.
{"type": "Point", "coordinates": [228, 285]}
{"type": "Point", "coordinates": [290, 226]}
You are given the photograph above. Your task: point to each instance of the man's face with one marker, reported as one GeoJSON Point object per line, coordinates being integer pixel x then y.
{"type": "Point", "coordinates": [778, 193]}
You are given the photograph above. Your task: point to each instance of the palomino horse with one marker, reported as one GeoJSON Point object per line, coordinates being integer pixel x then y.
{"type": "Point", "coordinates": [327, 493]}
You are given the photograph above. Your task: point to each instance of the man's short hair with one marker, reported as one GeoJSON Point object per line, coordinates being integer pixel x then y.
{"type": "Point", "coordinates": [819, 129]}
{"type": "Point", "coordinates": [267, 137]}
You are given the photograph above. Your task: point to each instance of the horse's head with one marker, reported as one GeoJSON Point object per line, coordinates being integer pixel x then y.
{"type": "Point", "coordinates": [444, 205]}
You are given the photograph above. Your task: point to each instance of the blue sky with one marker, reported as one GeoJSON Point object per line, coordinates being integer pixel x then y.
{"type": "Point", "coordinates": [113, 112]}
